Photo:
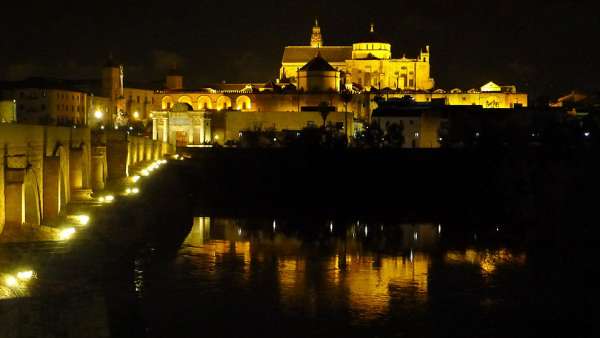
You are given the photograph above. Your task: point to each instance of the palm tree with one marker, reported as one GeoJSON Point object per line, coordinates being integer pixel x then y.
{"type": "Point", "coordinates": [346, 97]}
{"type": "Point", "coordinates": [324, 109]}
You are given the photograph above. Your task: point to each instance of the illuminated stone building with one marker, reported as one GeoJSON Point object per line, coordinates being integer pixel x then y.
{"type": "Point", "coordinates": [345, 78]}
{"type": "Point", "coordinates": [8, 111]}
{"type": "Point", "coordinates": [43, 101]}
{"type": "Point", "coordinates": [367, 64]}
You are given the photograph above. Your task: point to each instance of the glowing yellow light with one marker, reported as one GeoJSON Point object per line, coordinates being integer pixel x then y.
{"type": "Point", "coordinates": [109, 198]}
{"type": "Point", "coordinates": [135, 190]}
{"type": "Point", "coordinates": [10, 281]}
{"type": "Point", "coordinates": [66, 233]}
{"type": "Point", "coordinates": [135, 178]}
{"type": "Point", "coordinates": [83, 219]}
{"type": "Point", "coordinates": [98, 114]}
{"type": "Point", "coordinates": [144, 172]}
{"type": "Point", "coordinates": [101, 199]}
{"type": "Point", "coordinates": [128, 191]}
{"type": "Point", "coordinates": [136, 115]}
{"type": "Point", "coordinates": [25, 275]}
{"type": "Point", "coordinates": [216, 137]}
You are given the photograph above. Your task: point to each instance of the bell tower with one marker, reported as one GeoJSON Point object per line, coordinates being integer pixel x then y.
{"type": "Point", "coordinates": [316, 40]}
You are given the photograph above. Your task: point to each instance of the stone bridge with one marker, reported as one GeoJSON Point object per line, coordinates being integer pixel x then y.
{"type": "Point", "coordinates": [43, 168]}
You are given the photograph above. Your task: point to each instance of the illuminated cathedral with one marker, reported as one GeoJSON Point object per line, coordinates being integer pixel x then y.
{"type": "Point", "coordinates": [367, 64]}
{"type": "Point", "coordinates": [348, 80]}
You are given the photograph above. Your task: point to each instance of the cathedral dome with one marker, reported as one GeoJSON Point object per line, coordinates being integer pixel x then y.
{"type": "Point", "coordinates": [371, 47]}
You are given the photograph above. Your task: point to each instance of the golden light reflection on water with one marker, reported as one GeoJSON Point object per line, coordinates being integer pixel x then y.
{"type": "Point", "coordinates": [487, 260]}
{"type": "Point", "coordinates": [369, 281]}
{"type": "Point", "coordinates": [199, 242]}
{"type": "Point", "coordinates": [347, 274]}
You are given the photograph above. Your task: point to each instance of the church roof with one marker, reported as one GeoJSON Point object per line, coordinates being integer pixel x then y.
{"type": "Point", "coordinates": [302, 54]}
{"type": "Point", "coordinates": [318, 64]}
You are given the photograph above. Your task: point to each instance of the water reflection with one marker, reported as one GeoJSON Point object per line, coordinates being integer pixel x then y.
{"type": "Point", "coordinates": [487, 260]}
{"type": "Point", "coordinates": [362, 271]}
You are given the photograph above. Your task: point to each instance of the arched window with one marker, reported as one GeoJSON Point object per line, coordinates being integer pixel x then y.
{"type": "Point", "coordinates": [204, 103]}
{"type": "Point", "coordinates": [243, 103]}
{"type": "Point", "coordinates": [167, 102]}
{"type": "Point", "coordinates": [185, 99]}
{"type": "Point", "coordinates": [223, 102]}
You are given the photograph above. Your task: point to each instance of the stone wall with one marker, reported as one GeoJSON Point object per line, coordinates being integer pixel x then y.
{"type": "Point", "coordinates": [43, 168]}
{"type": "Point", "coordinates": [40, 169]}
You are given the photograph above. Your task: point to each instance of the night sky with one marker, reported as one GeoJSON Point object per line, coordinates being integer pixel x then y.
{"type": "Point", "coordinates": [544, 47]}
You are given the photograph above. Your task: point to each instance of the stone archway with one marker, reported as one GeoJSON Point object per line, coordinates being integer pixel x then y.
{"type": "Point", "coordinates": [167, 103]}
{"type": "Point", "coordinates": [223, 102]}
{"type": "Point", "coordinates": [204, 103]}
{"type": "Point", "coordinates": [243, 103]}
{"type": "Point", "coordinates": [185, 99]}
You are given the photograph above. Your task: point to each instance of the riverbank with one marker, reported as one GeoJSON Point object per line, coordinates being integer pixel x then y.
{"type": "Point", "coordinates": [529, 186]}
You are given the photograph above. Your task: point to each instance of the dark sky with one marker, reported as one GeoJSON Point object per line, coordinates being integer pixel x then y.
{"type": "Point", "coordinates": [542, 46]}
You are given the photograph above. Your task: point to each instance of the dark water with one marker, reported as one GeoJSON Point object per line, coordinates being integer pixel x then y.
{"type": "Point", "coordinates": [270, 278]}
{"type": "Point", "coordinates": [232, 277]}
{"type": "Point", "coordinates": [511, 259]}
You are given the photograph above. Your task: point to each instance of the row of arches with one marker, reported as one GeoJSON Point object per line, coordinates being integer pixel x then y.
{"type": "Point", "coordinates": [204, 102]}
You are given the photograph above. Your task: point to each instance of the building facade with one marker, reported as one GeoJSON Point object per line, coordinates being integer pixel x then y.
{"type": "Point", "coordinates": [367, 64]}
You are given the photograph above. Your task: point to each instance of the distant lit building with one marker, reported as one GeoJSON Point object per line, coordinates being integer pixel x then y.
{"type": "Point", "coordinates": [47, 101]}
{"type": "Point", "coordinates": [8, 111]}
{"type": "Point", "coordinates": [346, 79]}
{"type": "Point", "coordinates": [367, 64]}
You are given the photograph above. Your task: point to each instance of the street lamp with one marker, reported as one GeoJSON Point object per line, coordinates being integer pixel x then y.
{"type": "Point", "coordinates": [98, 114]}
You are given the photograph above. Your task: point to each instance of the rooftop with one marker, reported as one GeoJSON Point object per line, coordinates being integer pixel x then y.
{"type": "Point", "coordinates": [333, 54]}
{"type": "Point", "coordinates": [318, 64]}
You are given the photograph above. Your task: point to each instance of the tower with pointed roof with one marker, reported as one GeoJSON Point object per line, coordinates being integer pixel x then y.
{"type": "Point", "coordinates": [316, 39]}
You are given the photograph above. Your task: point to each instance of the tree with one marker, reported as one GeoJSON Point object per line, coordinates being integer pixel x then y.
{"type": "Point", "coordinates": [346, 97]}
{"type": "Point", "coordinates": [324, 109]}
{"type": "Point", "coordinates": [395, 134]}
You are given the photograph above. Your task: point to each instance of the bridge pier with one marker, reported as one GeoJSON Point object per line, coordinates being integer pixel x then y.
{"type": "Point", "coordinates": [14, 196]}
{"type": "Point", "coordinates": [52, 187]}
